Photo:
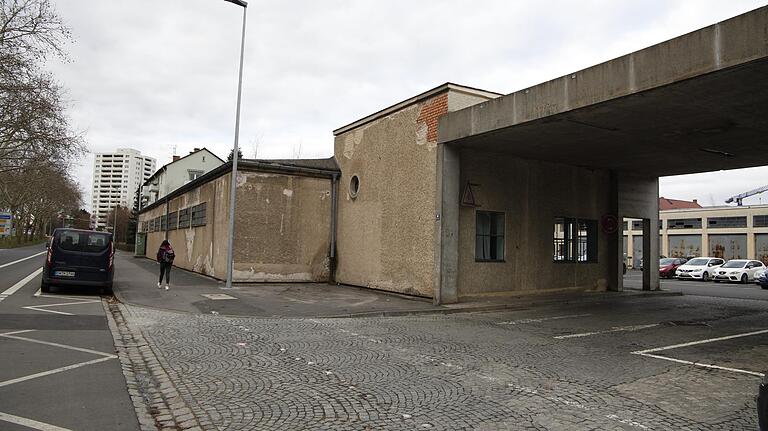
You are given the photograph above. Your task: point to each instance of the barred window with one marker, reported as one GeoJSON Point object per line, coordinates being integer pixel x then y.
{"type": "Point", "coordinates": [173, 220]}
{"type": "Point", "coordinates": [489, 236]}
{"type": "Point", "coordinates": [574, 240]}
{"type": "Point", "coordinates": [684, 223]}
{"type": "Point", "coordinates": [184, 218]}
{"type": "Point", "coordinates": [725, 222]}
{"type": "Point", "coordinates": [157, 224]}
{"type": "Point", "coordinates": [760, 221]}
{"type": "Point", "coordinates": [163, 223]}
{"type": "Point", "coordinates": [198, 215]}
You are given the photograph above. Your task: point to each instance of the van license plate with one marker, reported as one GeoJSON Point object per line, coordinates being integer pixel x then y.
{"type": "Point", "coordinates": [64, 273]}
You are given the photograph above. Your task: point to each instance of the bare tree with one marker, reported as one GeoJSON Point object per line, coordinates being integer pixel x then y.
{"type": "Point", "coordinates": [297, 150]}
{"type": "Point", "coordinates": [34, 127]}
{"type": "Point", "coordinates": [255, 144]}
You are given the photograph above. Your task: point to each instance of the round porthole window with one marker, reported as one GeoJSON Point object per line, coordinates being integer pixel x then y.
{"type": "Point", "coordinates": [354, 186]}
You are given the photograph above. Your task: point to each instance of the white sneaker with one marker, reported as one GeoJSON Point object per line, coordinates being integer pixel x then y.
{"type": "Point", "coordinates": [158, 285]}
{"type": "Point", "coordinates": [167, 287]}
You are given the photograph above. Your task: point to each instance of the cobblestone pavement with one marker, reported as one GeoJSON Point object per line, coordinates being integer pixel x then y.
{"type": "Point", "coordinates": [488, 371]}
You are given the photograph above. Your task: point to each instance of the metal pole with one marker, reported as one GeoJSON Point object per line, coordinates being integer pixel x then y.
{"type": "Point", "coordinates": [233, 180]}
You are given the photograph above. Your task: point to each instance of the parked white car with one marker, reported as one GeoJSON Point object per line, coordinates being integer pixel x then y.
{"type": "Point", "coordinates": [699, 268]}
{"type": "Point", "coordinates": [740, 270]}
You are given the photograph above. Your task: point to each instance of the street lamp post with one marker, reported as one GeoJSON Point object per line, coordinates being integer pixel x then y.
{"type": "Point", "coordinates": [233, 180]}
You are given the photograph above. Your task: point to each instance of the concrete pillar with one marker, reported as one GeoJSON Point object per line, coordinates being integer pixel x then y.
{"type": "Point", "coordinates": [615, 253]}
{"type": "Point", "coordinates": [449, 183]}
{"type": "Point", "coordinates": [651, 253]}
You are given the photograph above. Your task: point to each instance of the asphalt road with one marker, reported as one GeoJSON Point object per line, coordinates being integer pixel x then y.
{"type": "Point", "coordinates": [634, 280]}
{"type": "Point", "coordinates": [58, 370]}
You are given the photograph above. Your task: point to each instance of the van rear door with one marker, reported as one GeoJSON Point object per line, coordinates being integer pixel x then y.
{"type": "Point", "coordinates": [81, 255]}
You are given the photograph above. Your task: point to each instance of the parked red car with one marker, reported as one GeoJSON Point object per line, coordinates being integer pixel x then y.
{"type": "Point", "coordinates": [668, 266]}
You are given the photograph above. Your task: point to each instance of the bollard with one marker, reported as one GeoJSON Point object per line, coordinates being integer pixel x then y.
{"type": "Point", "coordinates": [762, 405]}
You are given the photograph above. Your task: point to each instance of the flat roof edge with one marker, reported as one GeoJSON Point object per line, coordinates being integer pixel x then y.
{"type": "Point", "coordinates": [415, 99]}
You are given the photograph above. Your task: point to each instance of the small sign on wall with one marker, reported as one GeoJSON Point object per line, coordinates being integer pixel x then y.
{"type": "Point", "coordinates": [468, 196]}
{"type": "Point", "coordinates": [609, 223]}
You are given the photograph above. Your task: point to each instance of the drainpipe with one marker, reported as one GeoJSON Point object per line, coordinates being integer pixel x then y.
{"type": "Point", "coordinates": [332, 251]}
{"type": "Point", "coordinates": [762, 405]}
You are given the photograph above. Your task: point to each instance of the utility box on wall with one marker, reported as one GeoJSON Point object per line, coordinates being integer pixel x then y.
{"type": "Point", "coordinates": [141, 245]}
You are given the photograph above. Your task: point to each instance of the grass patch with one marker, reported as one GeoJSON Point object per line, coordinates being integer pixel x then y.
{"type": "Point", "coordinates": [10, 242]}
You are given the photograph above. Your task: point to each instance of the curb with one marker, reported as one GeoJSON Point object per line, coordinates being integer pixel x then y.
{"type": "Point", "coordinates": [157, 402]}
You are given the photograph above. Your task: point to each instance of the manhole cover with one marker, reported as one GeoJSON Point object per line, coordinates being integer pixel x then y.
{"type": "Point", "coordinates": [218, 296]}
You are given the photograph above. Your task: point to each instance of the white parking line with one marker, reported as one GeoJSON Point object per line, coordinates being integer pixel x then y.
{"type": "Point", "coordinates": [607, 331]}
{"type": "Point", "coordinates": [22, 259]}
{"type": "Point", "coordinates": [63, 346]}
{"type": "Point", "coordinates": [29, 423]}
{"type": "Point", "coordinates": [11, 290]}
{"type": "Point", "coordinates": [649, 353]}
{"type": "Point", "coordinates": [60, 304]}
{"type": "Point", "coordinates": [542, 319]}
{"type": "Point", "coordinates": [54, 371]}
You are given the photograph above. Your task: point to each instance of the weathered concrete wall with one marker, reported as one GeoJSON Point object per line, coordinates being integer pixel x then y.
{"type": "Point", "coordinates": [531, 194]}
{"type": "Point", "coordinates": [386, 235]}
{"type": "Point", "coordinates": [201, 249]}
{"type": "Point", "coordinates": [282, 228]}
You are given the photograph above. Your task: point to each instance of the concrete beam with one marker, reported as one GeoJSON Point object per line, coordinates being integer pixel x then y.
{"type": "Point", "coordinates": [736, 41]}
{"type": "Point", "coordinates": [449, 158]}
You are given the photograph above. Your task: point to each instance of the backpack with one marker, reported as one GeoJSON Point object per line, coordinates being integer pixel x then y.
{"type": "Point", "coordinates": [168, 256]}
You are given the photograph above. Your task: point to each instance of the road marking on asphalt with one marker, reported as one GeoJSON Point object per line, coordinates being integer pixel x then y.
{"type": "Point", "coordinates": [54, 371]}
{"type": "Point", "coordinates": [61, 304]}
{"type": "Point", "coordinates": [104, 357]}
{"type": "Point", "coordinates": [63, 346]}
{"type": "Point", "coordinates": [607, 331]}
{"type": "Point", "coordinates": [13, 289]}
{"type": "Point", "coordinates": [542, 319]}
{"type": "Point", "coordinates": [649, 353]}
{"type": "Point", "coordinates": [22, 259]}
{"type": "Point", "coordinates": [29, 423]}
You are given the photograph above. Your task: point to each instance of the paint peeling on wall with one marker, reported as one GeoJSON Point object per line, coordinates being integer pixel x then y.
{"type": "Point", "coordinates": [241, 179]}
{"type": "Point", "coordinates": [190, 237]}
{"type": "Point", "coordinates": [288, 192]}
{"type": "Point", "coordinates": [421, 133]}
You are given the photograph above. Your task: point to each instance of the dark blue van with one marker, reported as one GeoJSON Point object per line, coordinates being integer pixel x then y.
{"type": "Point", "coordinates": [83, 258]}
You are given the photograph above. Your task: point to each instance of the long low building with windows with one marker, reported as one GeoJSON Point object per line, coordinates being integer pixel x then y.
{"type": "Point", "coordinates": [739, 232]}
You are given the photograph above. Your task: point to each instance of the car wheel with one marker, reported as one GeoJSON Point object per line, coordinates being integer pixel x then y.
{"type": "Point", "coordinates": [716, 281]}
{"type": "Point", "coordinates": [705, 276]}
{"type": "Point", "coordinates": [744, 279]}
{"type": "Point", "coordinates": [45, 287]}
{"type": "Point", "coordinates": [764, 287]}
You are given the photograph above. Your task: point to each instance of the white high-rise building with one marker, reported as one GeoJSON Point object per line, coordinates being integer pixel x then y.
{"type": "Point", "coordinates": [116, 178]}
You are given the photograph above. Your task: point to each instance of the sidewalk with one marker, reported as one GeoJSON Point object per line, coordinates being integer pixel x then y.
{"type": "Point", "coordinates": [136, 283]}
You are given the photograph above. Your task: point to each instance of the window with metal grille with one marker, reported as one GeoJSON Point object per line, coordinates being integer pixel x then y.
{"type": "Point", "coordinates": [684, 223]}
{"type": "Point", "coordinates": [489, 236]}
{"type": "Point", "coordinates": [198, 215]}
{"type": "Point", "coordinates": [163, 223]}
{"type": "Point", "coordinates": [760, 221]}
{"type": "Point", "coordinates": [184, 218]}
{"type": "Point", "coordinates": [574, 240]}
{"type": "Point", "coordinates": [173, 220]}
{"type": "Point", "coordinates": [726, 222]}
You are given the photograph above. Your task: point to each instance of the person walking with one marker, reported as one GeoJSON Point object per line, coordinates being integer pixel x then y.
{"type": "Point", "coordinates": [165, 256]}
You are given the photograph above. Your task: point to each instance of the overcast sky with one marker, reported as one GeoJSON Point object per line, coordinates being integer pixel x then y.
{"type": "Point", "coordinates": [155, 75]}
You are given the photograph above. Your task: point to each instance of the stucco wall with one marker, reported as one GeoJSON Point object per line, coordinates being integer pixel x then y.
{"type": "Point", "coordinates": [282, 228]}
{"type": "Point", "coordinates": [531, 194]}
{"type": "Point", "coordinates": [386, 235]}
{"type": "Point", "coordinates": [200, 249]}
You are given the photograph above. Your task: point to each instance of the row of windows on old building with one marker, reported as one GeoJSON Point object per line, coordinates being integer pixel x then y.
{"type": "Point", "coordinates": [574, 239]}
{"type": "Point", "coordinates": [188, 217]}
{"type": "Point", "coordinates": [712, 223]}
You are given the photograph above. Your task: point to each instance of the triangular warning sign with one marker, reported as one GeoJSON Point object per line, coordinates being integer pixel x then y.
{"type": "Point", "coordinates": [468, 197]}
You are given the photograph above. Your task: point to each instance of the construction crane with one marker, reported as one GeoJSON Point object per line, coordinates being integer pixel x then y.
{"type": "Point", "coordinates": [741, 196]}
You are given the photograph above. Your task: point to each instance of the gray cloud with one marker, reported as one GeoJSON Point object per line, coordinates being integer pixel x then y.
{"type": "Point", "coordinates": [154, 74]}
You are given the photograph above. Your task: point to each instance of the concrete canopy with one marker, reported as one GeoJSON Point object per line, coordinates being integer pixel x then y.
{"type": "Point", "coordinates": [695, 103]}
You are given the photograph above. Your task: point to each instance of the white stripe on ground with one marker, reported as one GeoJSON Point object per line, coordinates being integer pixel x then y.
{"type": "Point", "coordinates": [699, 364]}
{"type": "Point", "coordinates": [63, 346]}
{"type": "Point", "coordinates": [18, 332]}
{"type": "Point", "coordinates": [11, 290]}
{"type": "Point", "coordinates": [648, 353]}
{"type": "Point", "coordinates": [54, 371]}
{"type": "Point", "coordinates": [22, 259]}
{"type": "Point", "coordinates": [29, 423]}
{"type": "Point", "coordinates": [709, 340]}
{"type": "Point", "coordinates": [607, 331]}
{"type": "Point", "coordinates": [48, 311]}
{"type": "Point", "coordinates": [542, 319]}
